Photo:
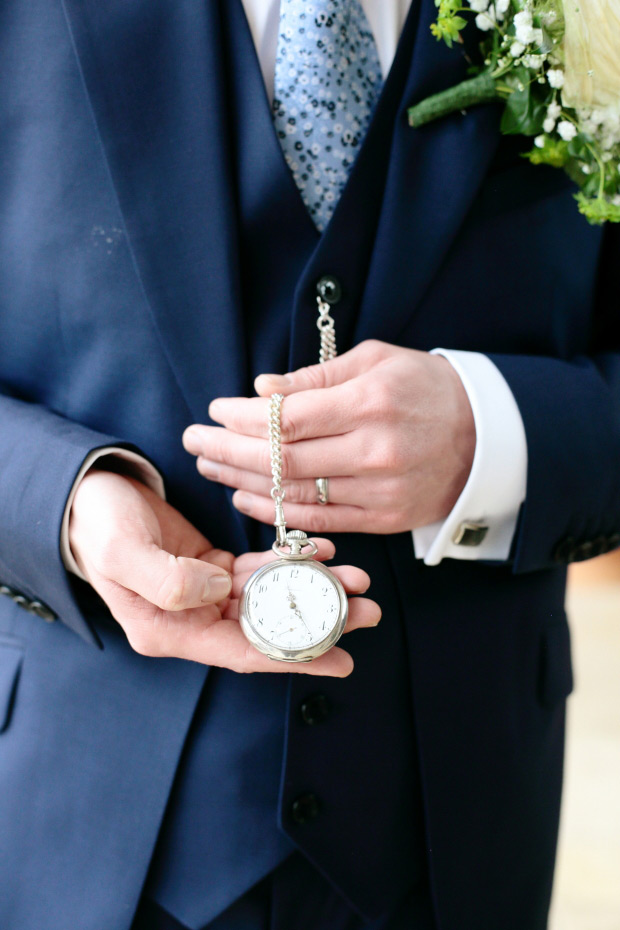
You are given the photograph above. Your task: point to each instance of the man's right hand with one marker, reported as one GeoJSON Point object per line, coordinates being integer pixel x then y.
{"type": "Point", "coordinates": [172, 592]}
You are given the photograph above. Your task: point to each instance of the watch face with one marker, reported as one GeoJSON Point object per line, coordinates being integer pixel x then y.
{"type": "Point", "coordinates": [293, 609]}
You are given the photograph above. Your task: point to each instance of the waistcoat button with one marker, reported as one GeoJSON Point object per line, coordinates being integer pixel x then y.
{"type": "Point", "coordinates": [305, 808]}
{"type": "Point", "coordinates": [315, 709]}
{"type": "Point", "coordinates": [328, 288]}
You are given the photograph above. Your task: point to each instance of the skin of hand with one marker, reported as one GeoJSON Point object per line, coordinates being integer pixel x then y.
{"type": "Point", "coordinates": [171, 591]}
{"type": "Point", "coordinates": [391, 428]}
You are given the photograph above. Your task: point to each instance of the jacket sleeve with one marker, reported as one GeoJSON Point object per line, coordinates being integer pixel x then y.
{"type": "Point", "coordinates": [571, 413]}
{"type": "Point", "coordinates": [40, 455]}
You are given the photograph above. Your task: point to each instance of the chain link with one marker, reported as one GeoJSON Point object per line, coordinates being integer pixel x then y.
{"type": "Point", "coordinates": [327, 328]}
{"type": "Point", "coordinates": [275, 444]}
{"type": "Point", "coordinates": [275, 448]}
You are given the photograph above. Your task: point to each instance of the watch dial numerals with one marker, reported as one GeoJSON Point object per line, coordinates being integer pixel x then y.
{"type": "Point", "coordinates": [293, 607]}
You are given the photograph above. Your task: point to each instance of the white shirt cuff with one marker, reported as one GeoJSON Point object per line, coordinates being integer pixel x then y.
{"type": "Point", "coordinates": [141, 468]}
{"type": "Point", "coordinates": [496, 485]}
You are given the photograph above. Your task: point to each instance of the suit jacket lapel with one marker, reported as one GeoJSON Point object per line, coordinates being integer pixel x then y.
{"type": "Point", "coordinates": [155, 76]}
{"type": "Point", "coordinates": [433, 177]}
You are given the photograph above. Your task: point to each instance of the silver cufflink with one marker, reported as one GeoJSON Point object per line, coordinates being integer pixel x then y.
{"type": "Point", "coordinates": [470, 534]}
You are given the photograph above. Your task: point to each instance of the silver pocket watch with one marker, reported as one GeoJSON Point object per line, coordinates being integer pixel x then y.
{"type": "Point", "coordinates": [293, 609]}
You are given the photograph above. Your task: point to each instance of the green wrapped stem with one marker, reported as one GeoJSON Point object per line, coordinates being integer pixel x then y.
{"type": "Point", "coordinates": [480, 89]}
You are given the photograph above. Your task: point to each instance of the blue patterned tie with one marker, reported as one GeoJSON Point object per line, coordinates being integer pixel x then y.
{"type": "Point", "coordinates": [327, 81]}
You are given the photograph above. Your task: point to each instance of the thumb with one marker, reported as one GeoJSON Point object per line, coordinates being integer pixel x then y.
{"type": "Point", "coordinates": [125, 534]}
{"type": "Point", "coordinates": [170, 582]}
{"type": "Point", "coordinates": [327, 374]}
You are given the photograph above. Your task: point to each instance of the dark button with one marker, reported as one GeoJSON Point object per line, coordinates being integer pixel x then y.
{"type": "Point", "coordinates": [315, 709]}
{"type": "Point", "coordinates": [42, 611]}
{"type": "Point", "coordinates": [565, 550]}
{"type": "Point", "coordinates": [328, 288]}
{"type": "Point", "coordinates": [33, 607]}
{"type": "Point", "coordinates": [305, 808]}
{"type": "Point", "coordinates": [613, 541]}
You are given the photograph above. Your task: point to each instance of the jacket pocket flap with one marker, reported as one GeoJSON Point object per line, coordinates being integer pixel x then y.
{"type": "Point", "coordinates": [11, 658]}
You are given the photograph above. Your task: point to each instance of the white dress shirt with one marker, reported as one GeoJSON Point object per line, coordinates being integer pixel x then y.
{"type": "Point", "coordinates": [495, 489]}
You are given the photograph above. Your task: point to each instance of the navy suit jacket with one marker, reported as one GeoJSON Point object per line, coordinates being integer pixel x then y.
{"type": "Point", "coordinates": [154, 254]}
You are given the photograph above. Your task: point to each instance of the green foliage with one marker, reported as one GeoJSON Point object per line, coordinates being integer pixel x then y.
{"type": "Point", "coordinates": [525, 111]}
{"type": "Point", "coordinates": [553, 152]}
{"type": "Point", "coordinates": [449, 24]}
{"type": "Point", "coordinates": [514, 66]}
{"type": "Point", "coordinates": [597, 210]}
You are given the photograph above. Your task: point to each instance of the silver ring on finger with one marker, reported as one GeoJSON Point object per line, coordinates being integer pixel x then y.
{"type": "Point", "coordinates": [322, 490]}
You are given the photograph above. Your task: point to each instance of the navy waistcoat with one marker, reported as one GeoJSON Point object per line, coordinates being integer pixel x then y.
{"type": "Point", "coordinates": [221, 831]}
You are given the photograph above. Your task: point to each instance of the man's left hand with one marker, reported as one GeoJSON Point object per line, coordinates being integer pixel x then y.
{"type": "Point", "coordinates": [391, 428]}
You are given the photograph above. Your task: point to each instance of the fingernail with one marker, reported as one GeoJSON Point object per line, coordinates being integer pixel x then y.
{"type": "Point", "coordinates": [191, 441]}
{"type": "Point", "coordinates": [208, 468]}
{"type": "Point", "coordinates": [277, 380]}
{"type": "Point", "coordinates": [217, 588]}
{"type": "Point", "coordinates": [242, 502]}
{"type": "Point", "coordinates": [214, 409]}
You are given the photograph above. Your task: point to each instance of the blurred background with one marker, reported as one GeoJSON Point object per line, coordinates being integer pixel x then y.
{"type": "Point", "coordinates": [587, 885]}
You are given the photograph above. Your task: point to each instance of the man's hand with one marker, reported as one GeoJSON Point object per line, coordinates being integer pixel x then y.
{"type": "Point", "coordinates": [171, 591]}
{"type": "Point", "coordinates": [391, 428]}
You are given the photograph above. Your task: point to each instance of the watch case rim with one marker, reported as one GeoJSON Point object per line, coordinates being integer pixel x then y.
{"type": "Point", "coordinates": [278, 653]}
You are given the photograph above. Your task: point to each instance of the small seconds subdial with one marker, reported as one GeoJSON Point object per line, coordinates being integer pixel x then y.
{"type": "Point", "coordinates": [294, 606]}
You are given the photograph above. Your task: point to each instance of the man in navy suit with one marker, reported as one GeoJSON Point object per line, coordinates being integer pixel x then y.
{"type": "Point", "coordinates": [162, 245]}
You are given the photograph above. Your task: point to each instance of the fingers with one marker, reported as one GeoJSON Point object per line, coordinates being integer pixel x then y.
{"type": "Point", "coordinates": [331, 456]}
{"type": "Point", "coordinates": [250, 561]}
{"type": "Point", "coordinates": [327, 374]}
{"type": "Point", "coordinates": [341, 490]}
{"type": "Point", "coordinates": [126, 535]}
{"type": "Point", "coordinates": [354, 580]}
{"type": "Point", "coordinates": [334, 664]}
{"type": "Point", "coordinates": [200, 635]}
{"type": "Point", "coordinates": [335, 518]}
{"type": "Point", "coordinates": [168, 582]}
{"type": "Point", "coordinates": [304, 416]}
{"type": "Point", "coordinates": [363, 613]}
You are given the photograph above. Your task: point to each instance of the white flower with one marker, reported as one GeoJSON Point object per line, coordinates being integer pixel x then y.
{"type": "Point", "coordinates": [479, 6]}
{"type": "Point", "coordinates": [516, 49]}
{"type": "Point", "coordinates": [539, 142]}
{"type": "Point", "coordinates": [555, 77]}
{"type": "Point", "coordinates": [533, 61]}
{"type": "Point", "coordinates": [524, 29]}
{"type": "Point", "coordinates": [586, 169]}
{"type": "Point", "coordinates": [549, 125]}
{"type": "Point", "coordinates": [523, 19]}
{"type": "Point", "coordinates": [567, 130]}
{"type": "Point", "coordinates": [553, 110]}
{"type": "Point", "coordinates": [501, 8]}
{"type": "Point", "coordinates": [616, 200]}
{"type": "Point", "coordinates": [486, 21]}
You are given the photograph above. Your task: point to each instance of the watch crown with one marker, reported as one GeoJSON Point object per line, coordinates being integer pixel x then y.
{"type": "Point", "coordinates": [296, 534]}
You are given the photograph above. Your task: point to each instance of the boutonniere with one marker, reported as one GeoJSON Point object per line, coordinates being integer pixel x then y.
{"type": "Point", "coordinates": [556, 66]}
